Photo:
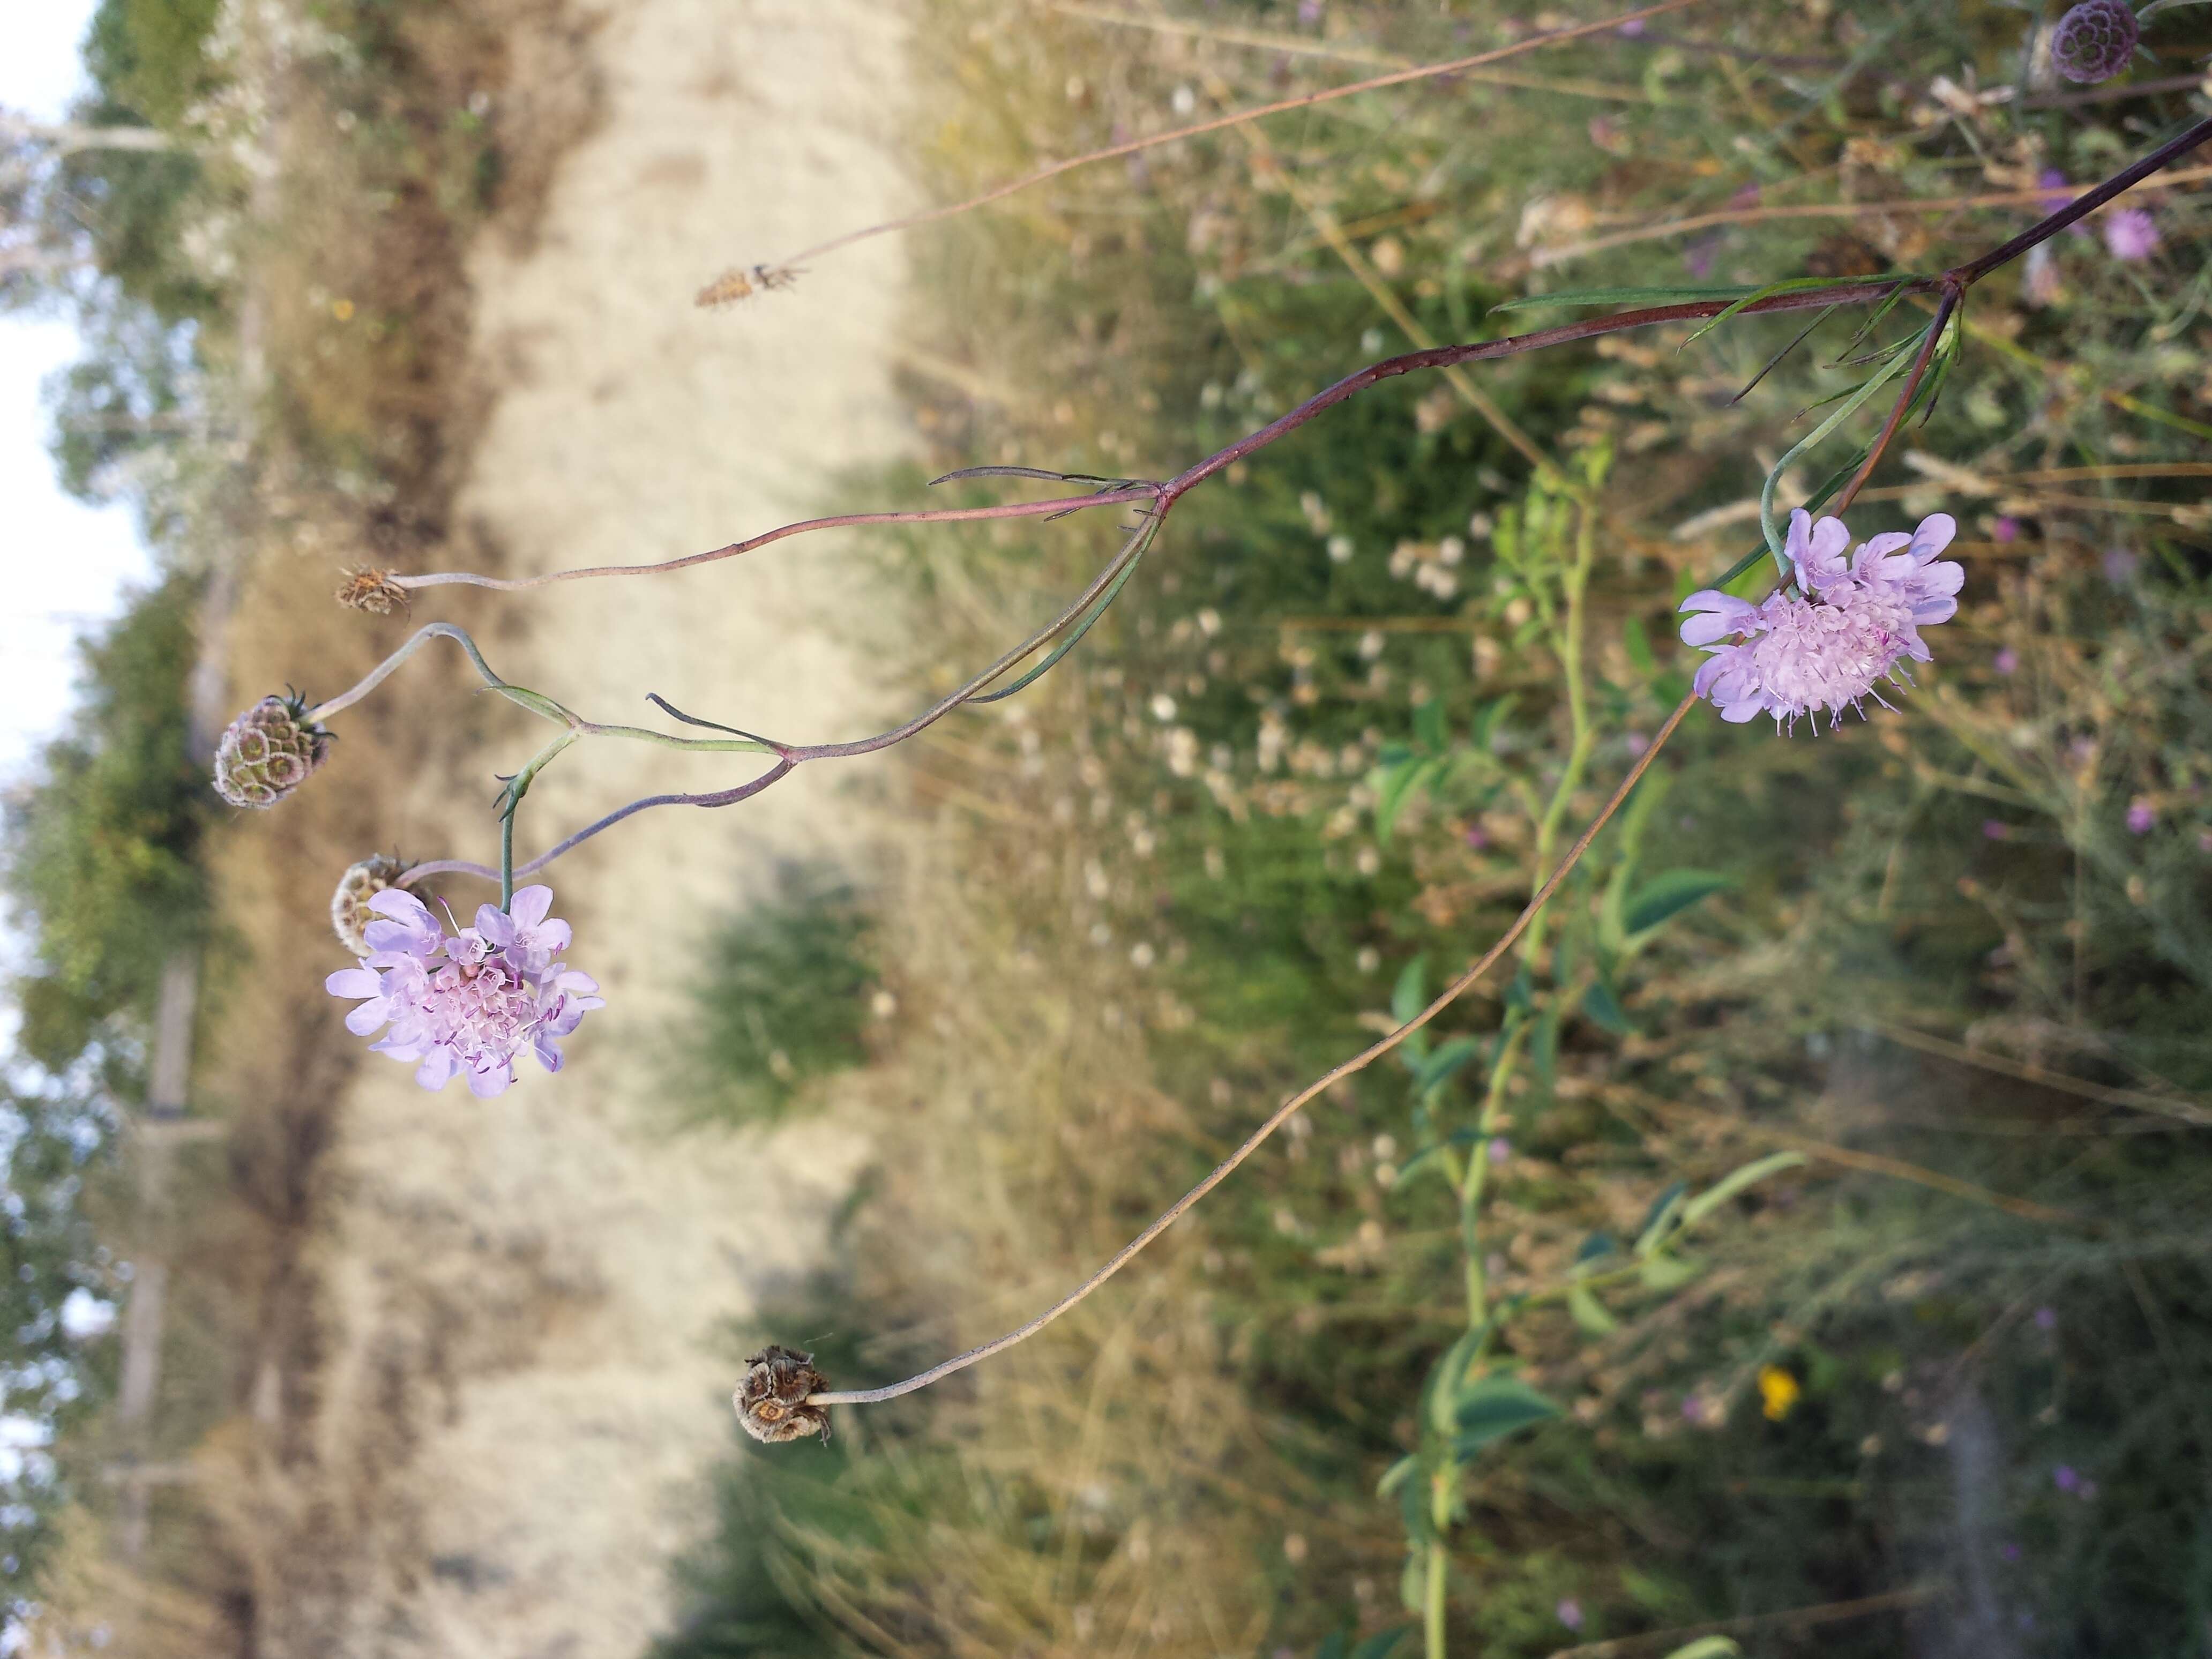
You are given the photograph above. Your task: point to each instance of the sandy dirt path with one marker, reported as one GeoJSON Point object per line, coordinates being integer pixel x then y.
{"type": "Point", "coordinates": [552, 1271]}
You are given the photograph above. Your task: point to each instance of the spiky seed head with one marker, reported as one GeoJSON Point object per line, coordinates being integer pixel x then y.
{"type": "Point", "coordinates": [350, 912]}
{"type": "Point", "coordinates": [269, 751]}
{"type": "Point", "coordinates": [771, 1402]}
{"type": "Point", "coordinates": [2095, 40]}
{"type": "Point", "coordinates": [377, 592]}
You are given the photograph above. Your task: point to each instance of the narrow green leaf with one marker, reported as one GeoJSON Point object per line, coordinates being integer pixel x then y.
{"type": "Point", "coordinates": [1495, 1407]}
{"type": "Point", "coordinates": [1604, 1011]}
{"type": "Point", "coordinates": [1441, 1396]}
{"type": "Point", "coordinates": [1333, 1646]}
{"type": "Point", "coordinates": [1669, 894]}
{"type": "Point", "coordinates": [1588, 1313]}
{"type": "Point", "coordinates": [1596, 1248]}
{"type": "Point", "coordinates": [1382, 1644]}
{"type": "Point", "coordinates": [1665, 1271]}
{"type": "Point", "coordinates": [1713, 1197]}
{"type": "Point", "coordinates": [1638, 646]}
{"type": "Point", "coordinates": [1397, 790]}
{"type": "Point", "coordinates": [1429, 725]}
{"type": "Point", "coordinates": [1707, 1647]}
{"type": "Point", "coordinates": [1873, 383]}
{"type": "Point", "coordinates": [1445, 1063]}
{"type": "Point", "coordinates": [1396, 1474]}
{"type": "Point", "coordinates": [1659, 1218]}
{"type": "Point", "coordinates": [1626, 297]}
{"type": "Point", "coordinates": [1787, 285]}
{"type": "Point", "coordinates": [1410, 996]}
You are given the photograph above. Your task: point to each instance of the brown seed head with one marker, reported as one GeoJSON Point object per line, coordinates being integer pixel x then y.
{"type": "Point", "coordinates": [350, 912]}
{"type": "Point", "coordinates": [771, 1402]}
{"type": "Point", "coordinates": [377, 592]}
{"type": "Point", "coordinates": [269, 751]}
{"type": "Point", "coordinates": [743, 283]}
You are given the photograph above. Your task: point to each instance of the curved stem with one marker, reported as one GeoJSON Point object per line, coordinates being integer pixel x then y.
{"type": "Point", "coordinates": [1397, 77]}
{"type": "Point", "coordinates": [1282, 1114]}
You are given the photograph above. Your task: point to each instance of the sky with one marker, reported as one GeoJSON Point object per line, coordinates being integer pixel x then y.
{"type": "Point", "coordinates": [65, 564]}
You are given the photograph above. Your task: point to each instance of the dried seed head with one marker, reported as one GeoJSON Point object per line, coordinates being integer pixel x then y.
{"type": "Point", "coordinates": [350, 912]}
{"type": "Point", "coordinates": [771, 1402]}
{"type": "Point", "coordinates": [377, 592]}
{"type": "Point", "coordinates": [732, 286]}
{"type": "Point", "coordinates": [267, 751]}
{"type": "Point", "coordinates": [2095, 40]}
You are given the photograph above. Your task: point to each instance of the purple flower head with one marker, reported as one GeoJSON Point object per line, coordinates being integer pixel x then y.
{"type": "Point", "coordinates": [1995, 829]}
{"type": "Point", "coordinates": [2007, 662]}
{"type": "Point", "coordinates": [1501, 1149]}
{"type": "Point", "coordinates": [2005, 529]}
{"type": "Point", "coordinates": [2095, 41]}
{"type": "Point", "coordinates": [2119, 566]}
{"type": "Point", "coordinates": [2064, 1478]}
{"type": "Point", "coordinates": [2143, 818]}
{"type": "Point", "coordinates": [2130, 233]}
{"type": "Point", "coordinates": [1828, 643]}
{"type": "Point", "coordinates": [466, 1003]}
{"type": "Point", "coordinates": [2046, 1319]}
{"type": "Point", "coordinates": [1570, 1612]}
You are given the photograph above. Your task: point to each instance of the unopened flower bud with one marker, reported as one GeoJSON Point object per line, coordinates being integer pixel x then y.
{"type": "Point", "coordinates": [267, 751]}
{"type": "Point", "coordinates": [771, 1402]}
{"type": "Point", "coordinates": [350, 912]}
{"type": "Point", "coordinates": [2095, 40]}
{"type": "Point", "coordinates": [377, 592]}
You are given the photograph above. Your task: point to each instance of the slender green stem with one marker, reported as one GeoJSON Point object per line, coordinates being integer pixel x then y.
{"type": "Point", "coordinates": [510, 800]}
{"type": "Point", "coordinates": [1433, 1599]}
{"type": "Point", "coordinates": [1478, 1167]}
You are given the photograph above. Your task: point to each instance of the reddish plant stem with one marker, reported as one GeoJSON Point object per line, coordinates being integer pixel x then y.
{"type": "Point", "coordinates": [1305, 100]}
{"type": "Point", "coordinates": [1282, 1114]}
{"type": "Point", "coordinates": [1951, 285]}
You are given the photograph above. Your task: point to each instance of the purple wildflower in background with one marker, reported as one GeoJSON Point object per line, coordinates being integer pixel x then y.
{"type": "Point", "coordinates": [2130, 233]}
{"type": "Point", "coordinates": [2064, 1478]}
{"type": "Point", "coordinates": [1500, 1148]}
{"type": "Point", "coordinates": [2046, 1319]}
{"type": "Point", "coordinates": [2119, 566]}
{"type": "Point", "coordinates": [1309, 12]}
{"type": "Point", "coordinates": [2142, 816]}
{"type": "Point", "coordinates": [1830, 641]}
{"type": "Point", "coordinates": [2007, 662]}
{"type": "Point", "coordinates": [2095, 40]}
{"type": "Point", "coordinates": [1995, 829]}
{"type": "Point", "coordinates": [2006, 529]}
{"type": "Point", "coordinates": [1569, 1612]}
{"type": "Point", "coordinates": [466, 1003]}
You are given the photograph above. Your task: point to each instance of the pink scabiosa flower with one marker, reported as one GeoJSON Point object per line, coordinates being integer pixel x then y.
{"type": "Point", "coordinates": [466, 1003]}
{"type": "Point", "coordinates": [2130, 233]}
{"type": "Point", "coordinates": [1829, 640]}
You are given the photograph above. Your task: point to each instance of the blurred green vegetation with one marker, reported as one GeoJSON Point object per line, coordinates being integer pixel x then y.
{"type": "Point", "coordinates": [101, 848]}
{"type": "Point", "coordinates": [1941, 1391]}
{"type": "Point", "coordinates": [782, 999]}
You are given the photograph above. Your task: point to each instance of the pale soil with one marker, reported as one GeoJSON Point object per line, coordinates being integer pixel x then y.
{"type": "Point", "coordinates": [557, 1268]}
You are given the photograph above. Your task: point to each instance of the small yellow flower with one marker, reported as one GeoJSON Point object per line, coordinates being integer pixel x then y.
{"type": "Point", "coordinates": [343, 310]}
{"type": "Point", "coordinates": [1779, 1390]}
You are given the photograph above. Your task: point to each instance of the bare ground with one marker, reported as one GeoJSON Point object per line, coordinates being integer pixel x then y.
{"type": "Point", "coordinates": [520, 1305]}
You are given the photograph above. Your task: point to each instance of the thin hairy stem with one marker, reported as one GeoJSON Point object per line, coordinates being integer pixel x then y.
{"type": "Point", "coordinates": [1305, 100]}
{"type": "Point", "coordinates": [1283, 1113]}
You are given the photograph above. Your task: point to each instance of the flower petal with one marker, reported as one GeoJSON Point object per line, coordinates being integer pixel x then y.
{"type": "Point", "coordinates": [437, 1068]}
{"type": "Point", "coordinates": [495, 924]}
{"type": "Point", "coordinates": [355, 982]}
{"type": "Point", "coordinates": [1933, 536]}
{"type": "Point", "coordinates": [530, 906]}
{"type": "Point", "coordinates": [401, 905]}
{"type": "Point", "coordinates": [365, 1018]}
